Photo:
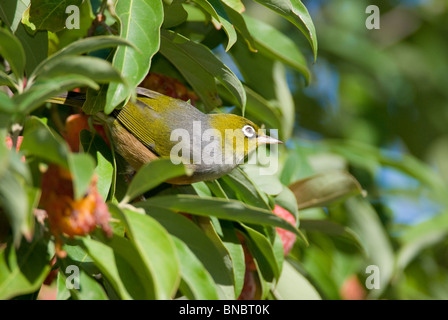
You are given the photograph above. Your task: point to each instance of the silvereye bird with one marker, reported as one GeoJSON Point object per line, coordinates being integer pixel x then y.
{"type": "Point", "coordinates": [156, 126]}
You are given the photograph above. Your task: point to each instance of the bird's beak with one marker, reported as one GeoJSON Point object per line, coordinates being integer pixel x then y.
{"type": "Point", "coordinates": [267, 140]}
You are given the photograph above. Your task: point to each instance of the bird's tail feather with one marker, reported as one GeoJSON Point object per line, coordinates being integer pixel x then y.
{"type": "Point", "coordinates": [72, 99]}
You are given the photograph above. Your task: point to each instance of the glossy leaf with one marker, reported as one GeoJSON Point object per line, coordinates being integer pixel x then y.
{"type": "Point", "coordinates": [239, 24]}
{"type": "Point", "coordinates": [157, 251]}
{"type": "Point", "coordinates": [174, 14]}
{"type": "Point", "coordinates": [40, 91]}
{"type": "Point", "coordinates": [39, 141]}
{"type": "Point", "coordinates": [245, 189]}
{"type": "Point", "coordinates": [220, 208]}
{"type": "Point", "coordinates": [292, 285]}
{"type": "Point", "coordinates": [82, 167]}
{"type": "Point", "coordinates": [6, 104]}
{"type": "Point", "coordinates": [11, 12]}
{"type": "Point", "coordinates": [324, 189]}
{"type": "Point", "coordinates": [328, 227]}
{"type": "Point", "coordinates": [23, 270]}
{"type": "Point", "coordinates": [364, 221]}
{"type": "Point", "coordinates": [49, 15]}
{"type": "Point", "coordinates": [237, 5]}
{"type": "Point", "coordinates": [287, 200]}
{"type": "Point", "coordinates": [233, 245]}
{"type": "Point", "coordinates": [209, 226]}
{"type": "Point", "coordinates": [11, 49]}
{"type": "Point", "coordinates": [271, 42]}
{"type": "Point", "coordinates": [122, 266]}
{"type": "Point", "coordinates": [419, 237]}
{"type": "Point", "coordinates": [89, 288]}
{"type": "Point", "coordinates": [14, 204]}
{"type": "Point", "coordinates": [140, 23]}
{"type": "Point", "coordinates": [93, 68]}
{"type": "Point", "coordinates": [262, 250]}
{"type": "Point", "coordinates": [199, 66]}
{"type": "Point", "coordinates": [99, 150]}
{"type": "Point", "coordinates": [216, 9]}
{"type": "Point", "coordinates": [203, 248]}
{"type": "Point", "coordinates": [194, 275]}
{"type": "Point", "coordinates": [295, 12]}
{"type": "Point", "coordinates": [151, 175]}
{"type": "Point", "coordinates": [85, 46]}
{"type": "Point", "coordinates": [35, 47]}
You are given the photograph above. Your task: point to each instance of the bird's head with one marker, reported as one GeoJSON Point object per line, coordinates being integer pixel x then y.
{"type": "Point", "coordinates": [239, 135]}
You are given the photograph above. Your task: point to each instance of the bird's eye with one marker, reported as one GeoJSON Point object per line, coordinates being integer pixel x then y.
{"type": "Point", "coordinates": [249, 131]}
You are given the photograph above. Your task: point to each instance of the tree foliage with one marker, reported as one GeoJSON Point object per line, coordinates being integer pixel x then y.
{"type": "Point", "coordinates": [222, 239]}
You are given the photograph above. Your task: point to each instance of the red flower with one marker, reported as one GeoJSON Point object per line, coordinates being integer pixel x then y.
{"type": "Point", "coordinates": [9, 144]}
{"type": "Point", "coordinates": [288, 238]}
{"type": "Point", "coordinates": [66, 215]}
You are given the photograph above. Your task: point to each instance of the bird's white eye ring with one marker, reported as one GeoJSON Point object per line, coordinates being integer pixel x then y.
{"type": "Point", "coordinates": [249, 131]}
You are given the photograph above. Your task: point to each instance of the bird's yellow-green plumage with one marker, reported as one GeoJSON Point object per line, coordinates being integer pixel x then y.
{"type": "Point", "coordinates": [156, 125]}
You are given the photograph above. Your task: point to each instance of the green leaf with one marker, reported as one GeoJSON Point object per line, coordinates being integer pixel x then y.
{"type": "Point", "coordinates": [14, 203]}
{"type": "Point", "coordinates": [174, 14]}
{"type": "Point", "coordinates": [121, 264]}
{"type": "Point", "coordinates": [35, 46]}
{"type": "Point", "coordinates": [263, 252]}
{"type": "Point", "coordinates": [210, 227]}
{"type": "Point", "coordinates": [285, 101]}
{"type": "Point", "coordinates": [84, 46]}
{"type": "Point", "coordinates": [325, 188]}
{"type": "Point", "coordinates": [42, 90]}
{"type": "Point", "coordinates": [364, 221]}
{"type": "Point", "coordinates": [38, 140]}
{"type": "Point", "coordinates": [63, 292]}
{"type": "Point", "coordinates": [324, 226]}
{"type": "Point", "coordinates": [419, 237]}
{"type": "Point", "coordinates": [23, 270]}
{"type": "Point", "coordinates": [140, 22]}
{"type": "Point", "coordinates": [287, 200]}
{"type": "Point", "coordinates": [200, 66]}
{"type": "Point", "coordinates": [11, 12]}
{"type": "Point", "coordinates": [89, 288]}
{"type": "Point", "coordinates": [194, 275]}
{"type": "Point", "coordinates": [151, 175]}
{"type": "Point", "coordinates": [268, 184]}
{"type": "Point", "coordinates": [245, 189]}
{"type": "Point", "coordinates": [292, 285]}
{"type": "Point", "coordinates": [295, 12]}
{"type": "Point", "coordinates": [274, 44]}
{"type": "Point", "coordinates": [93, 68]}
{"type": "Point", "coordinates": [50, 15]}
{"type": "Point", "coordinates": [237, 20]}
{"type": "Point", "coordinates": [12, 51]}
{"type": "Point", "coordinates": [201, 189]}
{"type": "Point", "coordinates": [100, 151]}
{"type": "Point", "coordinates": [217, 11]}
{"type": "Point", "coordinates": [68, 36]}
{"type": "Point", "coordinates": [6, 80]}
{"type": "Point", "coordinates": [157, 251]}
{"type": "Point", "coordinates": [203, 248]}
{"type": "Point", "coordinates": [108, 262]}
{"type": "Point", "coordinates": [6, 104]}
{"type": "Point", "coordinates": [257, 107]}
{"type": "Point", "coordinates": [82, 167]}
{"type": "Point", "coordinates": [237, 5]}
{"type": "Point", "coordinates": [220, 208]}
{"type": "Point", "coordinates": [235, 249]}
